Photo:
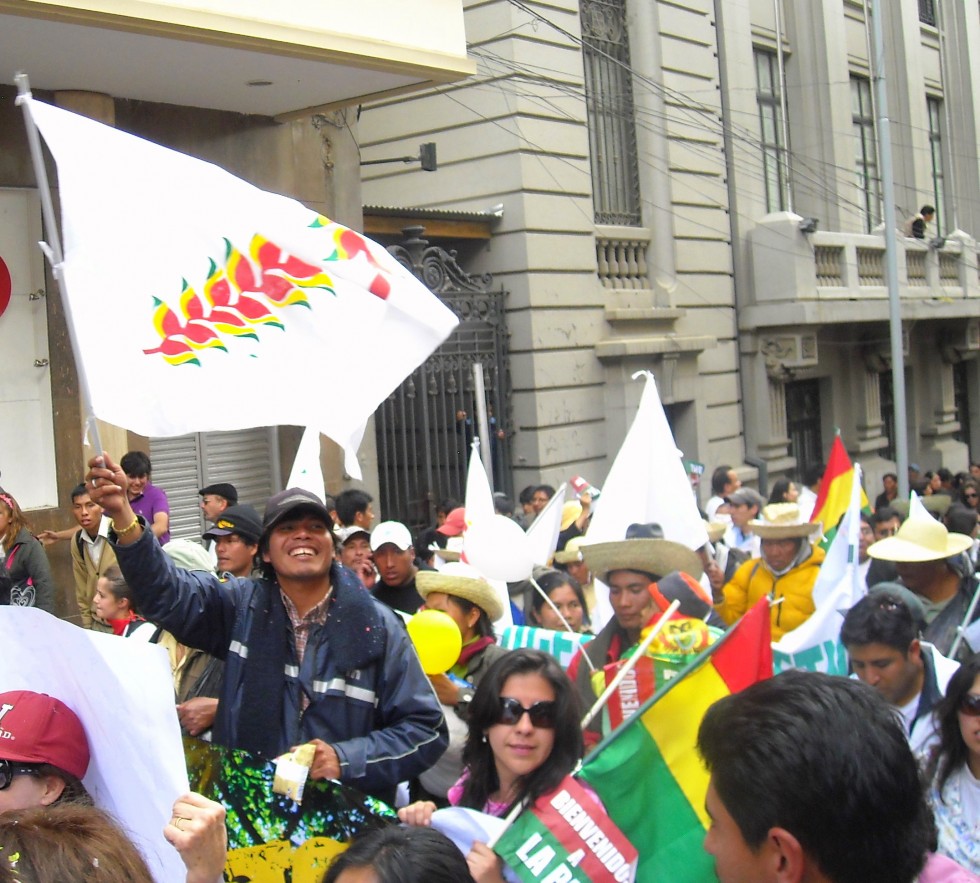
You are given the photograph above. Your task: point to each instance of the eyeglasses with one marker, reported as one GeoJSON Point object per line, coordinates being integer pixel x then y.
{"type": "Point", "coordinates": [542, 714]}
{"type": "Point", "coordinates": [970, 496]}
{"type": "Point", "coordinates": [970, 705]}
{"type": "Point", "coordinates": [8, 770]}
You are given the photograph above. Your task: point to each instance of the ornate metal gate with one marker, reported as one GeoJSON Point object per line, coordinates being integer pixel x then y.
{"type": "Point", "coordinates": [425, 427]}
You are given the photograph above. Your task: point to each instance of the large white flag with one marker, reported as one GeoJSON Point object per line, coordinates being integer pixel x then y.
{"type": "Point", "coordinates": [647, 483]}
{"type": "Point", "coordinates": [123, 692]}
{"type": "Point", "coordinates": [542, 535]}
{"type": "Point", "coordinates": [815, 645]}
{"type": "Point", "coordinates": [200, 302]}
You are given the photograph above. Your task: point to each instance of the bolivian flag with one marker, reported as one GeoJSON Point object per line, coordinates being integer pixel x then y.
{"type": "Point", "coordinates": [648, 773]}
{"type": "Point", "coordinates": [834, 495]}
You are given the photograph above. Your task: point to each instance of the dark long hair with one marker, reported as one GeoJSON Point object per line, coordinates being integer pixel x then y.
{"type": "Point", "coordinates": [951, 753]}
{"type": "Point", "coordinates": [484, 712]}
{"type": "Point", "coordinates": [549, 581]}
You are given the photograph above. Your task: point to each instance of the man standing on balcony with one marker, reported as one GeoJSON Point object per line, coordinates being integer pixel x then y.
{"type": "Point", "coordinates": [915, 227]}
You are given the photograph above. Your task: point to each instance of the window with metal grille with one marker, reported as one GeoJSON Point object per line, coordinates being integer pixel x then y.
{"type": "Point", "coordinates": [935, 109]}
{"type": "Point", "coordinates": [927, 12]}
{"type": "Point", "coordinates": [803, 423]}
{"type": "Point", "coordinates": [867, 177]}
{"type": "Point", "coordinates": [771, 129]}
{"type": "Point", "coordinates": [611, 118]}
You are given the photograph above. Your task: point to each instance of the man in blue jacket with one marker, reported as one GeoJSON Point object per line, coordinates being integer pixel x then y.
{"type": "Point", "coordinates": [310, 655]}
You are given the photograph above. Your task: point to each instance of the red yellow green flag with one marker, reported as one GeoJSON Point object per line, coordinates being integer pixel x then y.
{"type": "Point", "coordinates": [648, 773]}
{"type": "Point", "coordinates": [834, 495]}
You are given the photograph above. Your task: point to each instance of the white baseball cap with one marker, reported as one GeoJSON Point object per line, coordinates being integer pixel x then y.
{"type": "Point", "coordinates": [391, 532]}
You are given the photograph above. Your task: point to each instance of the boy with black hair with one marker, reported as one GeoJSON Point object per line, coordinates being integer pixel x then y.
{"type": "Point", "coordinates": [812, 780]}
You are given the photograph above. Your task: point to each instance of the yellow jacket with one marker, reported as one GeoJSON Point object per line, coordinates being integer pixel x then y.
{"type": "Point", "coordinates": [753, 580]}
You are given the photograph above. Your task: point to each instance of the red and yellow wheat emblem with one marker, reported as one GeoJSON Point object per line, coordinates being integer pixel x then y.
{"type": "Point", "coordinates": [239, 298]}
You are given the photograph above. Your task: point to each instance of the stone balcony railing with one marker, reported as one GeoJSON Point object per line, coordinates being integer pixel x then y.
{"type": "Point", "coordinates": [827, 266]}
{"type": "Point", "coordinates": [621, 256]}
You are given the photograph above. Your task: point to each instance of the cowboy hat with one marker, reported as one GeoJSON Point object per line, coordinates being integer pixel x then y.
{"type": "Point", "coordinates": [571, 552]}
{"type": "Point", "coordinates": [782, 521]}
{"type": "Point", "coordinates": [658, 557]}
{"type": "Point", "coordinates": [452, 581]}
{"type": "Point", "coordinates": [920, 538]}
{"type": "Point", "coordinates": [937, 504]}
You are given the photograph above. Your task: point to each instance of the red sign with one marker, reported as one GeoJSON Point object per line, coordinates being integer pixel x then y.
{"type": "Point", "coordinates": [5, 286]}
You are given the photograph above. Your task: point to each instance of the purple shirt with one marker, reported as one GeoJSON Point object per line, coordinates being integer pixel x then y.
{"type": "Point", "coordinates": [148, 503]}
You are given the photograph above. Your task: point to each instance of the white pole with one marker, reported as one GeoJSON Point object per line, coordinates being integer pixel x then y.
{"type": "Point", "coordinates": [482, 421]}
{"type": "Point", "coordinates": [631, 662]}
{"type": "Point", "coordinates": [55, 256]}
{"type": "Point", "coordinates": [891, 253]}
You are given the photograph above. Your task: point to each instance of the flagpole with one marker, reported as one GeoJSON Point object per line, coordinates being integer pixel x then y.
{"type": "Point", "coordinates": [52, 251]}
{"type": "Point", "coordinates": [631, 662]}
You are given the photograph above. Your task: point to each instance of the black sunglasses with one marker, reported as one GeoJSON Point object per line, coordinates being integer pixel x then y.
{"type": "Point", "coordinates": [8, 770]}
{"type": "Point", "coordinates": [970, 705]}
{"type": "Point", "coordinates": [542, 714]}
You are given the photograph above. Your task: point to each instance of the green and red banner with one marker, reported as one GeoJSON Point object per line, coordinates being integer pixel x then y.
{"type": "Point", "coordinates": [648, 773]}
{"type": "Point", "coordinates": [566, 836]}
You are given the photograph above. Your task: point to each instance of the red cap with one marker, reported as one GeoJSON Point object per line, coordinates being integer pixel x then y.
{"type": "Point", "coordinates": [454, 524]}
{"type": "Point", "coordinates": [37, 728]}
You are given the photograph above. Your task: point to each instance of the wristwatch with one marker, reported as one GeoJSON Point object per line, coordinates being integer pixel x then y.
{"type": "Point", "coordinates": [463, 705]}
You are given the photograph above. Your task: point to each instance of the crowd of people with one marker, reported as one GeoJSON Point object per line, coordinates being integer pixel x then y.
{"type": "Point", "coordinates": [290, 628]}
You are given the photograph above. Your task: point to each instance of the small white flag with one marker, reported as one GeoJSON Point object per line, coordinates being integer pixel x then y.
{"type": "Point", "coordinates": [542, 535]}
{"type": "Point", "coordinates": [307, 473]}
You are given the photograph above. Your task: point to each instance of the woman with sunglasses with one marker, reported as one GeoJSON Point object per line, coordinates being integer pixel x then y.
{"type": "Point", "coordinates": [954, 768]}
{"type": "Point", "coordinates": [524, 738]}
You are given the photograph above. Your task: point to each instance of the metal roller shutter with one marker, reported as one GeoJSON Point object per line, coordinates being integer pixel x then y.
{"type": "Point", "coordinates": [248, 458]}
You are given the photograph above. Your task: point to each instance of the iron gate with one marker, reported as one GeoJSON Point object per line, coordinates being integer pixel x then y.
{"type": "Point", "coordinates": [424, 428]}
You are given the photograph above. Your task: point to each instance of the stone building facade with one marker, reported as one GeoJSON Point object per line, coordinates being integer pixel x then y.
{"type": "Point", "coordinates": [693, 188]}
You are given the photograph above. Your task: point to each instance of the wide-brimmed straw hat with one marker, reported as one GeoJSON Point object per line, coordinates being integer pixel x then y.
{"type": "Point", "coordinates": [571, 552]}
{"type": "Point", "coordinates": [658, 557]}
{"type": "Point", "coordinates": [451, 581]}
{"type": "Point", "coordinates": [782, 521]}
{"type": "Point", "coordinates": [716, 530]}
{"type": "Point", "coordinates": [920, 538]}
{"type": "Point", "coordinates": [937, 504]}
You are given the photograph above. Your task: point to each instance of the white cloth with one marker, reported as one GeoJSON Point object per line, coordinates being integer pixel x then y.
{"type": "Point", "coordinates": [806, 502]}
{"type": "Point", "coordinates": [711, 510]}
{"type": "Point", "coordinates": [751, 543]}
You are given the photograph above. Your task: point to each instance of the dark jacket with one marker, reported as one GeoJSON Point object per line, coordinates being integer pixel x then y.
{"type": "Point", "coordinates": [30, 562]}
{"type": "Point", "coordinates": [369, 698]}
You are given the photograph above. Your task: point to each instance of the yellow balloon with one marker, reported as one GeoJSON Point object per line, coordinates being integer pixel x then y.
{"type": "Point", "coordinates": [437, 640]}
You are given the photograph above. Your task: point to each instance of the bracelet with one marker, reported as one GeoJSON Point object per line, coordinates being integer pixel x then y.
{"type": "Point", "coordinates": [128, 529]}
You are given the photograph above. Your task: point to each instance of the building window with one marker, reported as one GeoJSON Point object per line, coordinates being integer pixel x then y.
{"type": "Point", "coordinates": [927, 12]}
{"type": "Point", "coordinates": [935, 108]}
{"type": "Point", "coordinates": [609, 103]}
{"type": "Point", "coordinates": [771, 129]}
{"type": "Point", "coordinates": [886, 395]}
{"type": "Point", "coordinates": [961, 397]}
{"type": "Point", "coordinates": [803, 423]}
{"type": "Point", "coordinates": [868, 180]}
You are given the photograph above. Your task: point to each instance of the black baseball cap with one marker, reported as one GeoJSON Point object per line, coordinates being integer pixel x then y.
{"type": "Point", "coordinates": [289, 500]}
{"type": "Point", "coordinates": [221, 489]}
{"type": "Point", "coordinates": [243, 520]}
